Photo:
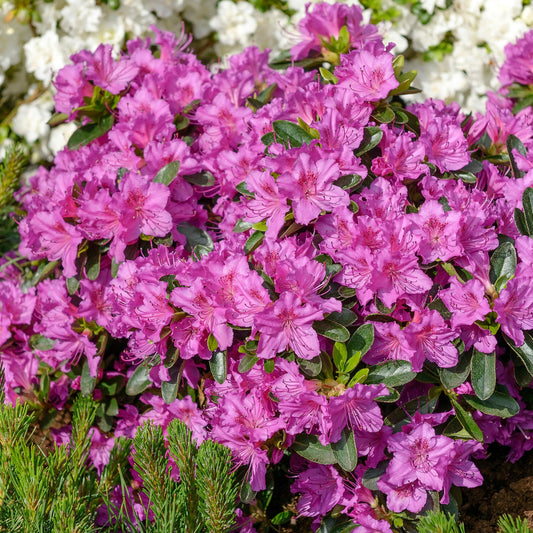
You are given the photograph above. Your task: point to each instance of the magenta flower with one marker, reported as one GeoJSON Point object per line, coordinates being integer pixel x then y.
{"type": "Point", "coordinates": [104, 71]}
{"type": "Point", "coordinates": [467, 302]}
{"type": "Point", "coordinates": [356, 408]}
{"type": "Point", "coordinates": [514, 307]}
{"type": "Point", "coordinates": [288, 323]}
{"type": "Point", "coordinates": [369, 74]}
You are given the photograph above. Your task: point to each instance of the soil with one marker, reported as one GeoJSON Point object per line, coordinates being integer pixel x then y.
{"type": "Point", "coordinates": [507, 488]}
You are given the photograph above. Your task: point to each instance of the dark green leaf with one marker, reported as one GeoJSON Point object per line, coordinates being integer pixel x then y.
{"type": "Point", "coordinates": [268, 138]}
{"type": "Point", "coordinates": [527, 204]}
{"type": "Point", "coordinates": [246, 494]}
{"type": "Point", "coordinates": [281, 518]}
{"type": "Point", "coordinates": [372, 475]}
{"type": "Point", "coordinates": [467, 421]}
{"type": "Point", "coordinates": [392, 397]}
{"type": "Point", "coordinates": [502, 265]}
{"type": "Point", "coordinates": [392, 373]}
{"type": "Point", "coordinates": [286, 131]}
{"type": "Point", "coordinates": [385, 115]}
{"type": "Point", "coordinates": [473, 167]}
{"type": "Point", "coordinates": [501, 403]}
{"type": "Point", "coordinates": [309, 447]}
{"type": "Point", "coordinates": [525, 351]}
{"type": "Point", "coordinates": [269, 365]}
{"type": "Point", "coordinates": [310, 367]}
{"type": "Point", "coordinates": [200, 179]}
{"type": "Point", "coordinates": [523, 103]}
{"type": "Point", "coordinates": [42, 343]}
{"type": "Point", "coordinates": [331, 330]}
{"type": "Point", "coordinates": [168, 173]}
{"type": "Point", "coordinates": [521, 223]}
{"type": "Point", "coordinates": [218, 364]}
{"type": "Point", "coordinates": [345, 317]}
{"type": "Point", "coordinates": [247, 363]}
{"type": "Point", "coordinates": [92, 265]}
{"type": "Point", "coordinates": [348, 181]}
{"type": "Point", "coordinates": [139, 381]}
{"type": "Point", "coordinates": [57, 118]}
{"type": "Point", "coordinates": [514, 143]}
{"type": "Point", "coordinates": [360, 342]}
{"type": "Point", "coordinates": [455, 376]}
{"type": "Point", "coordinates": [467, 177]}
{"type": "Point", "coordinates": [483, 374]}
{"type": "Point", "coordinates": [197, 239]}
{"type": "Point", "coordinates": [371, 138]}
{"type": "Point", "coordinates": [254, 241]}
{"type": "Point", "coordinates": [87, 382]}
{"type": "Point", "coordinates": [345, 451]}
{"type": "Point", "coordinates": [89, 132]}
{"type": "Point", "coordinates": [241, 187]}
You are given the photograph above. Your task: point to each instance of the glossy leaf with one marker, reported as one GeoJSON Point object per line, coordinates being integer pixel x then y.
{"type": "Point", "coordinates": [360, 342]}
{"type": "Point", "coordinates": [392, 373]}
{"type": "Point", "coordinates": [483, 373]}
{"type": "Point", "coordinates": [309, 447]}
{"type": "Point", "coordinates": [255, 239]}
{"type": "Point", "coordinates": [198, 240]}
{"type": "Point", "coordinates": [501, 403]}
{"type": "Point", "coordinates": [89, 132]}
{"type": "Point", "coordinates": [92, 265]}
{"type": "Point", "coordinates": [371, 138]}
{"type": "Point", "coordinates": [200, 179]}
{"type": "Point", "coordinates": [527, 205]}
{"type": "Point", "coordinates": [514, 143]}
{"type": "Point", "coordinates": [218, 364]}
{"type": "Point", "coordinates": [345, 451]}
{"type": "Point", "coordinates": [139, 381]}
{"type": "Point", "coordinates": [310, 367]}
{"type": "Point", "coordinates": [525, 351]}
{"type": "Point", "coordinates": [502, 265]}
{"type": "Point", "coordinates": [467, 421]}
{"type": "Point", "coordinates": [285, 131]}
{"type": "Point", "coordinates": [331, 330]}
{"type": "Point", "coordinates": [168, 173]}
{"type": "Point", "coordinates": [42, 343]}
{"type": "Point", "coordinates": [457, 375]}
{"type": "Point", "coordinates": [340, 354]}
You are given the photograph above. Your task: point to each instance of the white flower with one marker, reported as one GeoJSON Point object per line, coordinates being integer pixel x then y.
{"type": "Point", "coordinates": [234, 22]}
{"type": "Point", "coordinates": [44, 56]}
{"type": "Point", "coordinates": [271, 31]}
{"type": "Point", "coordinates": [59, 135]}
{"type": "Point", "coordinates": [80, 16]}
{"type": "Point", "coordinates": [31, 120]}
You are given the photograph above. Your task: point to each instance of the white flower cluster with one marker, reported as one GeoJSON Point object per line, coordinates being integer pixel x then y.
{"type": "Point", "coordinates": [475, 31]}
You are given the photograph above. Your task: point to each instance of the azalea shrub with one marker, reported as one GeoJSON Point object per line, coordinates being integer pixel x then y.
{"type": "Point", "coordinates": [285, 256]}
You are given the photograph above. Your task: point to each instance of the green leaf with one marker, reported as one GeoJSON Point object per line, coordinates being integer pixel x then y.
{"type": "Point", "coordinates": [139, 381]}
{"type": "Point", "coordinates": [168, 173]}
{"type": "Point", "coordinates": [523, 103]}
{"type": "Point", "coordinates": [57, 118]}
{"type": "Point", "coordinates": [309, 447]}
{"type": "Point", "coordinates": [502, 265]}
{"type": "Point", "coordinates": [514, 143]}
{"type": "Point", "coordinates": [247, 363]}
{"type": "Point", "coordinates": [218, 364]}
{"type": "Point", "coordinates": [525, 351]}
{"type": "Point", "coordinates": [348, 181]}
{"type": "Point", "coordinates": [310, 367]}
{"type": "Point", "coordinates": [527, 204]}
{"type": "Point", "coordinates": [397, 64]}
{"type": "Point", "coordinates": [455, 376]}
{"type": "Point", "coordinates": [359, 377]}
{"type": "Point", "coordinates": [169, 390]}
{"type": "Point", "coordinates": [269, 365]}
{"type": "Point", "coordinates": [253, 242]}
{"type": "Point", "coordinates": [198, 240]}
{"type": "Point", "coordinates": [328, 76]}
{"type": "Point", "coordinates": [467, 421]}
{"type": "Point", "coordinates": [281, 518]}
{"type": "Point", "coordinates": [241, 187]}
{"type": "Point", "coordinates": [371, 138]}
{"type": "Point", "coordinates": [267, 139]}
{"type": "Point", "coordinates": [345, 317]}
{"type": "Point", "coordinates": [92, 265]}
{"type": "Point", "coordinates": [331, 330]}
{"type": "Point", "coordinates": [286, 131]}
{"type": "Point", "coordinates": [360, 342]}
{"type": "Point", "coordinates": [212, 343]}
{"type": "Point", "coordinates": [372, 475]}
{"type": "Point", "coordinates": [200, 179]}
{"type": "Point", "coordinates": [521, 223]}
{"type": "Point", "coordinates": [501, 403]}
{"type": "Point", "coordinates": [87, 382]}
{"type": "Point", "coordinates": [392, 373]}
{"type": "Point", "coordinates": [483, 373]}
{"type": "Point", "coordinates": [392, 397]}
{"type": "Point", "coordinates": [42, 343]}
{"type": "Point", "coordinates": [89, 132]}
{"type": "Point", "coordinates": [340, 353]}
{"type": "Point", "coordinates": [345, 451]}
{"type": "Point", "coordinates": [241, 226]}
{"type": "Point", "coordinates": [73, 284]}
{"type": "Point", "coordinates": [385, 115]}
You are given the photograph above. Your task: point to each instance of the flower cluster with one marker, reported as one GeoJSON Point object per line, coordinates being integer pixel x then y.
{"type": "Point", "coordinates": [291, 261]}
